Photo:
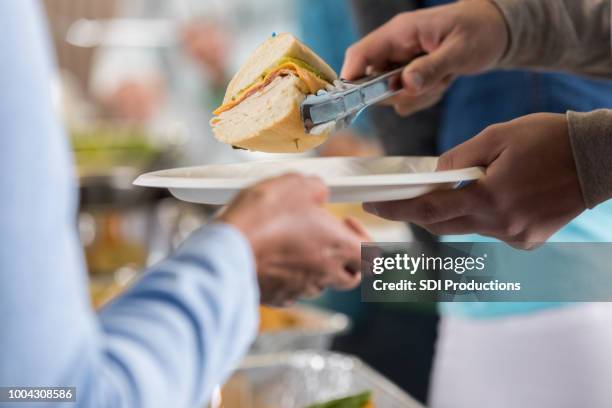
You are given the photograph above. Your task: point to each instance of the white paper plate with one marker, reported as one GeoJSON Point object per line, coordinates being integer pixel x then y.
{"type": "Point", "coordinates": [350, 179]}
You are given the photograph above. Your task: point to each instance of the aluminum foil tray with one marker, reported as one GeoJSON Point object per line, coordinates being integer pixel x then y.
{"type": "Point", "coordinates": [322, 328]}
{"type": "Point", "coordinates": [298, 379]}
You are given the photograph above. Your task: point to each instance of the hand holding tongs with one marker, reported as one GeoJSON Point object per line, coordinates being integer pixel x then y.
{"type": "Point", "coordinates": [340, 106]}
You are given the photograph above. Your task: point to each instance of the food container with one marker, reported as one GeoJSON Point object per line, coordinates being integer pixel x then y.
{"type": "Point", "coordinates": [309, 328]}
{"type": "Point", "coordinates": [298, 379]}
{"type": "Point", "coordinates": [116, 219]}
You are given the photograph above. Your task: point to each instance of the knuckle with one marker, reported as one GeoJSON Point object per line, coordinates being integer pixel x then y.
{"type": "Point", "coordinates": [528, 239]}
{"type": "Point", "coordinates": [395, 18]}
{"type": "Point", "coordinates": [317, 184]}
{"type": "Point", "coordinates": [427, 69]}
{"type": "Point", "coordinates": [264, 188]}
{"type": "Point", "coordinates": [402, 110]}
{"type": "Point", "coordinates": [399, 18]}
{"type": "Point", "coordinates": [316, 191]}
{"type": "Point", "coordinates": [257, 192]}
{"type": "Point", "coordinates": [523, 241]}
{"type": "Point", "coordinates": [351, 52]}
{"type": "Point", "coordinates": [265, 184]}
{"type": "Point", "coordinates": [405, 45]}
{"type": "Point", "coordinates": [446, 161]}
{"type": "Point", "coordinates": [263, 192]}
{"type": "Point", "coordinates": [516, 244]}
{"type": "Point", "coordinates": [493, 131]}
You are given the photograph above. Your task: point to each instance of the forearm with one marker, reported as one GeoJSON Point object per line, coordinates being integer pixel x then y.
{"type": "Point", "coordinates": [168, 341]}
{"type": "Point", "coordinates": [591, 137]}
{"type": "Point", "coordinates": [565, 35]}
{"type": "Point", "coordinates": [186, 324]}
{"type": "Point", "coordinates": [573, 36]}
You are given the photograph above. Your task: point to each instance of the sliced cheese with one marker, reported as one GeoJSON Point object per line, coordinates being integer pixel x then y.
{"type": "Point", "coordinates": [312, 83]}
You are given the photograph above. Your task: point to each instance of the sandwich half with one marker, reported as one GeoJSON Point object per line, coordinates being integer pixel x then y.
{"type": "Point", "coordinates": [261, 108]}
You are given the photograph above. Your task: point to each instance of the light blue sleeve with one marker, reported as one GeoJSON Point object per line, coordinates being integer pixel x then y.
{"type": "Point", "coordinates": [184, 326]}
{"type": "Point", "coordinates": [180, 329]}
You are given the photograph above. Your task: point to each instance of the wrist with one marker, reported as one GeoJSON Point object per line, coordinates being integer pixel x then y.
{"type": "Point", "coordinates": [504, 30]}
{"type": "Point", "coordinates": [590, 136]}
{"type": "Point", "coordinates": [242, 225]}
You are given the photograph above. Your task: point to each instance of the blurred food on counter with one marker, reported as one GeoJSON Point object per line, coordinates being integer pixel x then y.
{"type": "Point", "coordinates": [121, 236]}
{"type": "Point", "coordinates": [361, 400]}
{"type": "Point", "coordinates": [103, 289]}
{"type": "Point", "coordinates": [116, 218]}
{"type": "Point", "coordinates": [299, 327]}
{"type": "Point", "coordinates": [349, 143]}
{"type": "Point", "coordinates": [274, 319]}
{"type": "Point", "coordinates": [309, 379]}
{"type": "Point", "coordinates": [100, 148]}
{"type": "Point", "coordinates": [380, 230]}
{"type": "Point", "coordinates": [236, 392]}
{"type": "Point", "coordinates": [112, 248]}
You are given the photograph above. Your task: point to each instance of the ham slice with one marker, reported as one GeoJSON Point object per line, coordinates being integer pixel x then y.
{"type": "Point", "coordinates": [312, 83]}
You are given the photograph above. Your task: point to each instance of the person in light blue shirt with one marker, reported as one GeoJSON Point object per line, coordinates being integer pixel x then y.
{"type": "Point", "coordinates": [181, 328]}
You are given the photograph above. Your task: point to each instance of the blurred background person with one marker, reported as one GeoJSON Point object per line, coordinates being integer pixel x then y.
{"type": "Point", "coordinates": [474, 335]}
{"type": "Point", "coordinates": [183, 80]}
{"type": "Point", "coordinates": [160, 64]}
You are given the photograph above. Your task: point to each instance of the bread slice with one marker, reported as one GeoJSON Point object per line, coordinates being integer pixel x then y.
{"type": "Point", "coordinates": [266, 56]}
{"type": "Point", "coordinates": [261, 108]}
{"type": "Point", "coordinates": [268, 121]}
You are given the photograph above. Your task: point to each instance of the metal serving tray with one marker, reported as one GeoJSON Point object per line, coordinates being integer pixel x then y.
{"type": "Point", "coordinates": [298, 379]}
{"type": "Point", "coordinates": [323, 326]}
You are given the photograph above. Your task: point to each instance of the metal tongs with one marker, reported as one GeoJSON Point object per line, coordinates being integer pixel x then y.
{"type": "Point", "coordinates": [339, 106]}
